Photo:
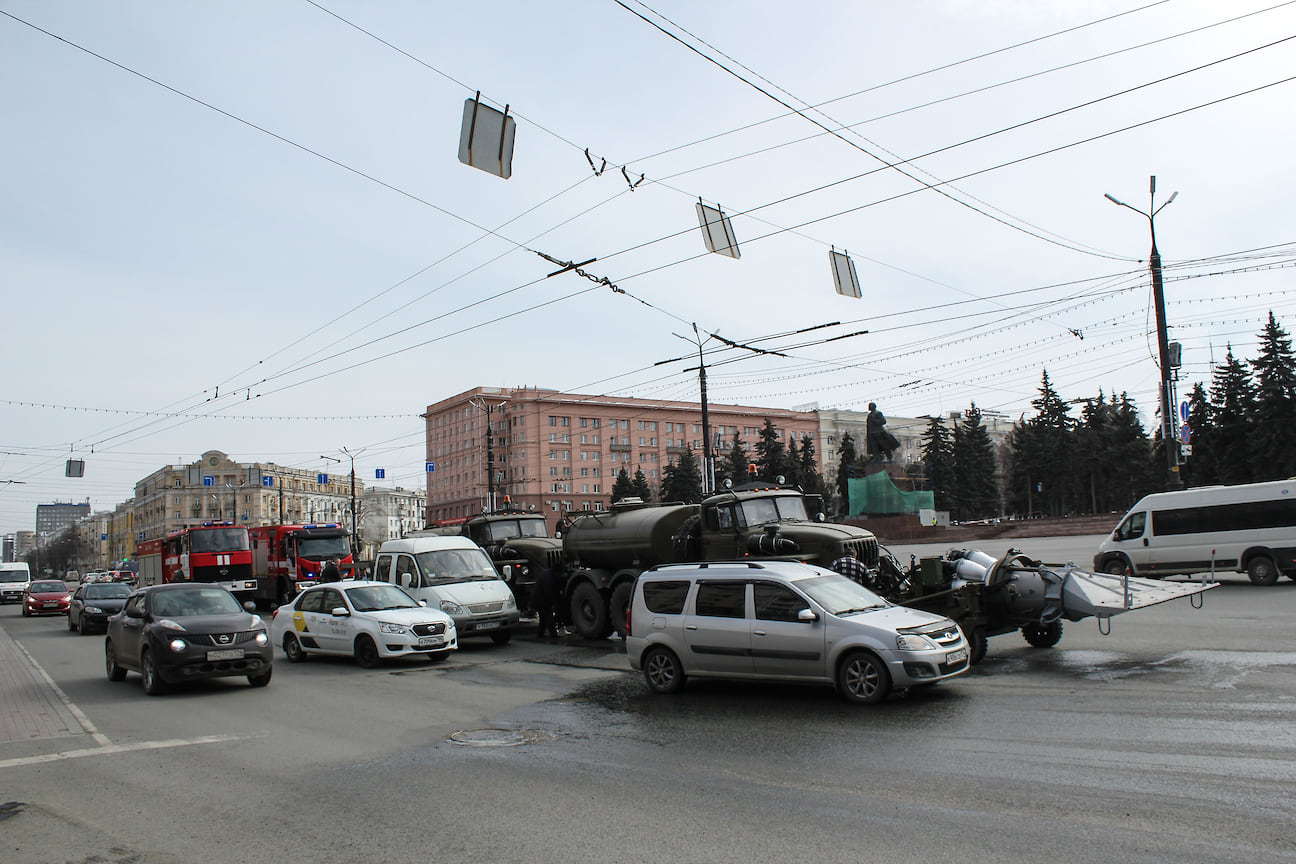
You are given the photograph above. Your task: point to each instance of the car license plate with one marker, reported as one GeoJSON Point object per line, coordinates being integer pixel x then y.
{"type": "Point", "coordinates": [51, 605]}
{"type": "Point", "coordinates": [956, 656]}
{"type": "Point", "coordinates": [486, 625]}
{"type": "Point", "coordinates": [425, 641]}
{"type": "Point", "coordinates": [226, 654]}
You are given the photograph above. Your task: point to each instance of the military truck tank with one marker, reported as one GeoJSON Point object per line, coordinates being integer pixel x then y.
{"type": "Point", "coordinates": [604, 552]}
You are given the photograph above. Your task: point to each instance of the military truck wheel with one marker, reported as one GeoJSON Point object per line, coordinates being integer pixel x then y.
{"type": "Point", "coordinates": [589, 612]}
{"type": "Point", "coordinates": [1042, 635]}
{"type": "Point", "coordinates": [617, 606]}
{"type": "Point", "coordinates": [863, 679]}
{"type": "Point", "coordinates": [1262, 570]}
{"type": "Point", "coordinates": [977, 645]}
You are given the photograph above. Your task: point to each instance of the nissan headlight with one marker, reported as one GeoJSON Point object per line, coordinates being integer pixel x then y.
{"type": "Point", "coordinates": [168, 624]}
{"type": "Point", "coordinates": [394, 629]}
{"type": "Point", "coordinates": [262, 638]}
{"type": "Point", "coordinates": [178, 645]}
{"type": "Point", "coordinates": [914, 642]}
{"type": "Point", "coordinates": [451, 608]}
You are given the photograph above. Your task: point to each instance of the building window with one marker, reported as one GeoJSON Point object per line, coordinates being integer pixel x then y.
{"type": "Point", "coordinates": [553, 421]}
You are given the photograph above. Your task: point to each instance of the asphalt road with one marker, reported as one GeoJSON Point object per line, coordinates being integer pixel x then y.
{"type": "Point", "coordinates": [1170, 739]}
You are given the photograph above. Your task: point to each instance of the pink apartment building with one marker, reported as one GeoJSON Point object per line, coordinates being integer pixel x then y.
{"type": "Point", "coordinates": [548, 451]}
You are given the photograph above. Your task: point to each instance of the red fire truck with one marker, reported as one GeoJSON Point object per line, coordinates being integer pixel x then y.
{"type": "Point", "coordinates": [287, 558]}
{"type": "Point", "coordinates": [216, 552]}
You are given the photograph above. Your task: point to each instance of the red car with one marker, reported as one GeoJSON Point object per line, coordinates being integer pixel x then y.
{"type": "Point", "coordinates": [46, 597]}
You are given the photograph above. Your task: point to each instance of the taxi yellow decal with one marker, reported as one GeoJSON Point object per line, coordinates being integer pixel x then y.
{"type": "Point", "coordinates": [299, 622]}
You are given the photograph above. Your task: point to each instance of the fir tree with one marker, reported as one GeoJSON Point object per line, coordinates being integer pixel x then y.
{"type": "Point", "coordinates": [845, 469]}
{"type": "Point", "coordinates": [810, 479]}
{"type": "Point", "coordinates": [640, 485]}
{"type": "Point", "coordinates": [622, 488]}
{"type": "Point", "coordinates": [682, 479]}
{"type": "Point", "coordinates": [770, 454]}
{"type": "Point", "coordinates": [1232, 396]}
{"type": "Point", "coordinates": [938, 459]}
{"type": "Point", "coordinates": [1273, 417]}
{"type": "Point", "coordinates": [737, 461]}
{"type": "Point", "coordinates": [974, 461]}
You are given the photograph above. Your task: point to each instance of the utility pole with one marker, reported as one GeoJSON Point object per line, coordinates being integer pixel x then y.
{"type": "Point", "coordinates": [489, 409]}
{"type": "Point", "coordinates": [1168, 438]}
{"type": "Point", "coordinates": [355, 535]}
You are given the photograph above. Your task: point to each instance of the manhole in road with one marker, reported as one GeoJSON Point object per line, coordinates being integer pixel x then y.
{"type": "Point", "coordinates": [499, 737]}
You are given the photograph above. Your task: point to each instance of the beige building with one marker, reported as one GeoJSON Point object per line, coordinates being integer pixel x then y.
{"type": "Point", "coordinates": [550, 452]}
{"type": "Point", "coordinates": [215, 488]}
{"type": "Point", "coordinates": [390, 514]}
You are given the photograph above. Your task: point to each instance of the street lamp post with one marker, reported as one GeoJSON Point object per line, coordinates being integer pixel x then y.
{"type": "Point", "coordinates": [1168, 439]}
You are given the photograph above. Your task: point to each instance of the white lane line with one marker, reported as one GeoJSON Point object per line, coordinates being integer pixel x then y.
{"type": "Point", "coordinates": [80, 716]}
{"type": "Point", "coordinates": [116, 748]}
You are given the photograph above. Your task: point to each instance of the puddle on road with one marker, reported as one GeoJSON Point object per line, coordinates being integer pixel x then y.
{"type": "Point", "coordinates": [500, 737]}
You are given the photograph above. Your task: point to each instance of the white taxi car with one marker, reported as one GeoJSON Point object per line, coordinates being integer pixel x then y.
{"type": "Point", "coordinates": [371, 621]}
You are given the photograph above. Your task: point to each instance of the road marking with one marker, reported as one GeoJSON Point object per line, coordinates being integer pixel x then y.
{"type": "Point", "coordinates": [80, 716]}
{"type": "Point", "coordinates": [116, 748]}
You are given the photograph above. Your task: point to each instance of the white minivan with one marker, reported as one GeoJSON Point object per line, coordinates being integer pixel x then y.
{"type": "Point", "coordinates": [455, 575]}
{"type": "Point", "coordinates": [1249, 528]}
{"type": "Point", "coordinates": [14, 577]}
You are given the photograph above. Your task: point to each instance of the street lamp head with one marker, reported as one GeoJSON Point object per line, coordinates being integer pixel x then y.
{"type": "Point", "coordinates": [1112, 199]}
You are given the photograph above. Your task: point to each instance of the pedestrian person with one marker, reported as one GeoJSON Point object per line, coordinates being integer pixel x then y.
{"type": "Point", "coordinates": [852, 568]}
{"type": "Point", "coordinates": [544, 600]}
{"type": "Point", "coordinates": [331, 573]}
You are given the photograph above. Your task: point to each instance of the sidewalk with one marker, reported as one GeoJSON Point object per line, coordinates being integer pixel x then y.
{"type": "Point", "coordinates": [30, 708]}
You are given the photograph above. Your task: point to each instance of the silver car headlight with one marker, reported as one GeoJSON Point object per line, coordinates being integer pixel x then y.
{"type": "Point", "coordinates": [450, 608]}
{"type": "Point", "coordinates": [178, 645]}
{"type": "Point", "coordinates": [914, 642]}
{"type": "Point", "coordinates": [262, 638]}
{"type": "Point", "coordinates": [509, 602]}
{"type": "Point", "coordinates": [395, 629]}
{"type": "Point", "coordinates": [93, 610]}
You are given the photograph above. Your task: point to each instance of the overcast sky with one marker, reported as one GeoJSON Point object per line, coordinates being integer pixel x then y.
{"type": "Point", "coordinates": [243, 226]}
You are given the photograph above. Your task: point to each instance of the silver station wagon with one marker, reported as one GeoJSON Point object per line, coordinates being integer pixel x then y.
{"type": "Point", "coordinates": [784, 620]}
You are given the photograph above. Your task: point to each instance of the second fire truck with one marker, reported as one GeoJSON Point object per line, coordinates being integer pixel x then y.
{"type": "Point", "coordinates": [287, 558]}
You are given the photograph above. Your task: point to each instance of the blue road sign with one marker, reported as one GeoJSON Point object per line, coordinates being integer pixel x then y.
{"type": "Point", "coordinates": [267, 480]}
{"type": "Point", "coordinates": [380, 473]}
{"type": "Point", "coordinates": [321, 479]}
{"type": "Point", "coordinates": [429, 467]}
{"type": "Point", "coordinates": [209, 480]}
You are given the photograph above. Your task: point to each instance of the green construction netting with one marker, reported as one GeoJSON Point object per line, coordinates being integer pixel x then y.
{"type": "Point", "coordinates": [876, 495]}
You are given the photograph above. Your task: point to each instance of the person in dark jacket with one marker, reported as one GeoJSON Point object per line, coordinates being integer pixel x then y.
{"type": "Point", "coordinates": [544, 600]}
{"type": "Point", "coordinates": [331, 573]}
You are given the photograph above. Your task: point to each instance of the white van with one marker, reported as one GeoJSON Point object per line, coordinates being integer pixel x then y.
{"type": "Point", "coordinates": [14, 576]}
{"type": "Point", "coordinates": [455, 575]}
{"type": "Point", "coordinates": [1246, 529]}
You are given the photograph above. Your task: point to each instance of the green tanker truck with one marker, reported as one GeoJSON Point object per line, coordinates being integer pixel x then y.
{"type": "Point", "coordinates": [604, 552]}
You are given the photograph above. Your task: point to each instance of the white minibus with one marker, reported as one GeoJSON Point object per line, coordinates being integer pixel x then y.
{"type": "Point", "coordinates": [1245, 529]}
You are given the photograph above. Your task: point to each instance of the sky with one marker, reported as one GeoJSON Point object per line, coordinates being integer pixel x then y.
{"type": "Point", "coordinates": [244, 226]}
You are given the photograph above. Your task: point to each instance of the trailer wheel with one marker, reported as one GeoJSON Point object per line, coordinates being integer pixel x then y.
{"type": "Point", "coordinates": [1043, 635]}
{"type": "Point", "coordinates": [589, 612]}
{"type": "Point", "coordinates": [617, 606]}
{"type": "Point", "coordinates": [1262, 570]}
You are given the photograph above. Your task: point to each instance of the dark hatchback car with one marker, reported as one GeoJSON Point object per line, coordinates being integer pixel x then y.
{"type": "Point", "coordinates": [187, 632]}
{"type": "Point", "coordinates": [93, 603]}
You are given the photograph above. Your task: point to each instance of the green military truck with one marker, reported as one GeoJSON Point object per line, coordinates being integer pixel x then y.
{"type": "Point", "coordinates": [604, 552]}
{"type": "Point", "coordinates": [517, 542]}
